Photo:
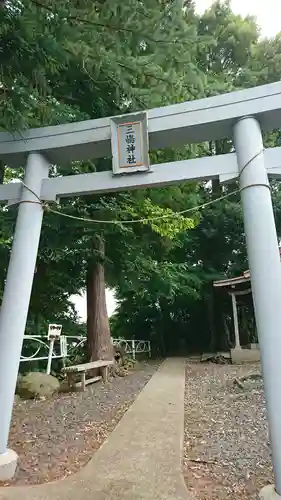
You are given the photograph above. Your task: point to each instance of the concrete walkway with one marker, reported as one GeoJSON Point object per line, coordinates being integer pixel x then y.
{"type": "Point", "coordinates": [141, 459]}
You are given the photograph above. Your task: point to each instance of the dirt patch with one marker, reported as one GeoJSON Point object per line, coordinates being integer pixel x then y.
{"type": "Point", "coordinates": [56, 437]}
{"type": "Point", "coordinates": [226, 452]}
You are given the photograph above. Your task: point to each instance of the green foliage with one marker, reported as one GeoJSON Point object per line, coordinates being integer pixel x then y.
{"type": "Point", "coordinates": [161, 220]}
{"type": "Point", "coordinates": [232, 41]}
{"type": "Point", "coordinates": [92, 59]}
{"type": "Point", "coordinates": [264, 66]}
{"type": "Point", "coordinates": [233, 58]}
{"type": "Point", "coordinates": [64, 61]}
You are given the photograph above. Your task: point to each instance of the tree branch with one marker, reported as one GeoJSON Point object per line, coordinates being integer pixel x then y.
{"type": "Point", "coordinates": [110, 26]}
{"type": "Point", "coordinates": [149, 75]}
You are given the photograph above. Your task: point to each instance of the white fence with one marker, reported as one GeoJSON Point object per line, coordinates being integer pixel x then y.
{"type": "Point", "coordinates": [65, 346]}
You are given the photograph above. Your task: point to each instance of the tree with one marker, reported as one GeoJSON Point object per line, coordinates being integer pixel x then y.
{"type": "Point", "coordinates": [232, 39]}
{"type": "Point", "coordinates": [93, 59]}
{"type": "Point", "coordinates": [103, 58]}
{"type": "Point", "coordinates": [264, 66]}
{"type": "Point", "coordinates": [233, 58]}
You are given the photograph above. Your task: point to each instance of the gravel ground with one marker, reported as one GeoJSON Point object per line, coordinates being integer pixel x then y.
{"type": "Point", "coordinates": [226, 453]}
{"type": "Point", "coordinates": [55, 437]}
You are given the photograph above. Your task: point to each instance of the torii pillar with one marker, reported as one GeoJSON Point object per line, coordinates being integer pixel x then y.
{"type": "Point", "coordinates": [15, 303]}
{"type": "Point", "coordinates": [265, 270]}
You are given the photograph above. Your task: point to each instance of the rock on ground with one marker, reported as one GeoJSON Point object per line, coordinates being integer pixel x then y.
{"type": "Point", "coordinates": [36, 385]}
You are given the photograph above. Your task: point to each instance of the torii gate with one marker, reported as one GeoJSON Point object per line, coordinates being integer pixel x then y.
{"type": "Point", "coordinates": [240, 114]}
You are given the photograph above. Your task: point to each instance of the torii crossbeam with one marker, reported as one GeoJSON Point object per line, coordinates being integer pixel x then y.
{"type": "Point", "coordinates": [242, 115]}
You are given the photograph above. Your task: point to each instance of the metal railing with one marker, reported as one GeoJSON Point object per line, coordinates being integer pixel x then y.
{"type": "Point", "coordinates": [133, 346]}
{"type": "Point", "coordinates": [41, 348]}
{"type": "Point", "coordinates": [66, 345]}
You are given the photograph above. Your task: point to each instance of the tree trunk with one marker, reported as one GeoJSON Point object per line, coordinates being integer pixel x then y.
{"type": "Point", "coordinates": [98, 332]}
{"type": "Point", "coordinates": [211, 316]}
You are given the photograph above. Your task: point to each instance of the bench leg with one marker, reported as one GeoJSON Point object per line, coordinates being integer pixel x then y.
{"type": "Point", "coordinates": [83, 381]}
{"type": "Point", "coordinates": [69, 380]}
{"type": "Point", "coordinates": [104, 373]}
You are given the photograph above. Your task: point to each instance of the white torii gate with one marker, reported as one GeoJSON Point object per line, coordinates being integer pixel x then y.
{"type": "Point", "coordinates": [240, 114]}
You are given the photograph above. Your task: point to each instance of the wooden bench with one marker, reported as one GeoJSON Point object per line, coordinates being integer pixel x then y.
{"type": "Point", "coordinates": [82, 369]}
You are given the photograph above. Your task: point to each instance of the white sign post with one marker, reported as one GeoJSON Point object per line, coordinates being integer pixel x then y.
{"type": "Point", "coordinates": [54, 332]}
{"type": "Point", "coordinates": [129, 143]}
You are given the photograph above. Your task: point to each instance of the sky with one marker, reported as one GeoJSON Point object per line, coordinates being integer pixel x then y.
{"type": "Point", "coordinates": [268, 14]}
{"type": "Point", "coordinates": [81, 304]}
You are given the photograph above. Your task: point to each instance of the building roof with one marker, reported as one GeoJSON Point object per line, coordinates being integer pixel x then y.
{"type": "Point", "coordinates": [232, 282]}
